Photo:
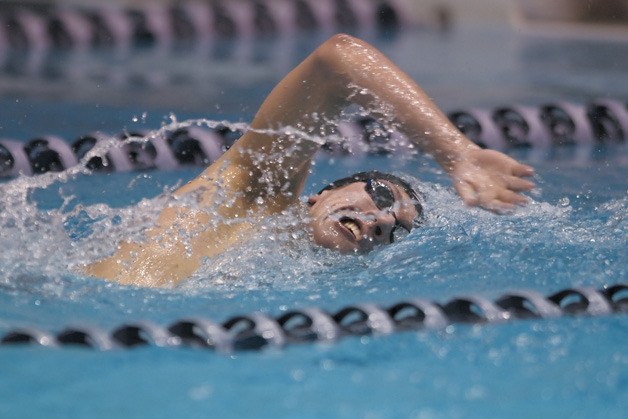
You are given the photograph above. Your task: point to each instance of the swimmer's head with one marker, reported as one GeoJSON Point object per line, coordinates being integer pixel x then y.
{"type": "Point", "coordinates": [366, 209]}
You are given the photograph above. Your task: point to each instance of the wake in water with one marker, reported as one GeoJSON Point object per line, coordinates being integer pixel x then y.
{"type": "Point", "coordinates": [45, 247]}
{"type": "Point", "coordinates": [55, 243]}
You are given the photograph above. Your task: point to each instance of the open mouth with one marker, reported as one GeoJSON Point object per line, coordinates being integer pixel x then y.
{"type": "Point", "coordinates": [352, 226]}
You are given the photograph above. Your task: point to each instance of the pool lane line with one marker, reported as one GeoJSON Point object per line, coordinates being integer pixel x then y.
{"type": "Point", "coordinates": [81, 27]}
{"type": "Point", "coordinates": [257, 331]}
{"type": "Point", "coordinates": [538, 129]}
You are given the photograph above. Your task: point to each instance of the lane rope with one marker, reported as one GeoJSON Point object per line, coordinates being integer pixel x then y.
{"type": "Point", "coordinates": [539, 128]}
{"type": "Point", "coordinates": [258, 330]}
{"type": "Point", "coordinates": [41, 27]}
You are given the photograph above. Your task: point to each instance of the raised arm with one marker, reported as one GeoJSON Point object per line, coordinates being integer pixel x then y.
{"type": "Point", "coordinates": [481, 177]}
{"type": "Point", "coordinates": [265, 170]}
{"type": "Point", "coordinates": [346, 70]}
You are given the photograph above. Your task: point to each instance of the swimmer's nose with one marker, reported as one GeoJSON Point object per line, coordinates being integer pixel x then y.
{"type": "Point", "coordinates": [380, 227]}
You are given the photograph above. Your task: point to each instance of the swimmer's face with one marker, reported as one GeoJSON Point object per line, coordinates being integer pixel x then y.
{"type": "Point", "coordinates": [357, 217]}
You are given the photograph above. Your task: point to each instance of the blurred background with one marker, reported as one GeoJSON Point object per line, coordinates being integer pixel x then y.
{"type": "Point", "coordinates": [63, 62]}
{"type": "Point", "coordinates": [565, 10]}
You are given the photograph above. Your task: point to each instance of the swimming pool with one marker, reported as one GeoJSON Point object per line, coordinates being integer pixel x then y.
{"type": "Point", "coordinates": [573, 234]}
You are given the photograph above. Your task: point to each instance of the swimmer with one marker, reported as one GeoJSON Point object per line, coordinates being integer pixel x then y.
{"type": "Point", "coordinates": [264, 172]}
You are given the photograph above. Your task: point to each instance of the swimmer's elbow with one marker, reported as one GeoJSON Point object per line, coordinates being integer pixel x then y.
{"type": "Point", "coordinates": [338, 52]}
{"type": "Point", "coordinates": [340, 41]}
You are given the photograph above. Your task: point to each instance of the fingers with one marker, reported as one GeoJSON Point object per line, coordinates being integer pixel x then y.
{"type": "Point", "coordinates": [512, 197]}
{"type": "Point", "coordinates": [497, 200]}
{"type": "Point", "coordinates": [498, 206]}
{"type": "Point", "coordinates": [493, 182]}
{"type": "Point", "coordinates": [517, 184]}
{"type": "Point", "coordinates": [522, 170]}
{"type": "Point", "coordinates": [467, 193]}
{"type": "Point", "coordinates": [500, 201]}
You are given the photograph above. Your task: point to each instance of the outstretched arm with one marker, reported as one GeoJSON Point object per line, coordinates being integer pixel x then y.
{"type": "Point", "coordinates": [271, 160]}
{"type": "Point", "coordinates": [346, 70]}
{"type": "Point", "coordinates": [486, 178]}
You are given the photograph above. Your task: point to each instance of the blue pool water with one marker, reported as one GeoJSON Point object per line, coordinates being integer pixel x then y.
{"type": "Point", "coordinates": [574, 233]}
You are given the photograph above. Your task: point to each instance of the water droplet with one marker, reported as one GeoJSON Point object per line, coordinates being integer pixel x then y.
{"type": "Point", "coordinates": [298, 375]}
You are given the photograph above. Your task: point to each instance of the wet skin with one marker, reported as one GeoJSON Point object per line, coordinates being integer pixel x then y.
{"type": "Point", "coordinates": [346, 219]}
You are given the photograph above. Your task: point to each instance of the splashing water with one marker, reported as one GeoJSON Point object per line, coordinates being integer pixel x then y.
{"type": "Point", "coordinates": [52, 244]}
{"type": "Point", "coordinates": [44, 244]}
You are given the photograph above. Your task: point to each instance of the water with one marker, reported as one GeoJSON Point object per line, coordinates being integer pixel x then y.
{"type": "Point", "coordinates": [573, 233]}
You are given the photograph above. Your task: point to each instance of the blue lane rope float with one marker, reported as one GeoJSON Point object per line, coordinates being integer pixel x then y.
{"type": "Point", "coordinates": [542, 128]}
{"type": "Point", "coordinates": [258, 330]}
{"type": "Point", "coordinates": [41, 27]}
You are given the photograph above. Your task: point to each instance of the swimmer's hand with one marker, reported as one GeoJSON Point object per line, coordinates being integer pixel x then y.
{"type": "Point", "coordinates": [490, 179]}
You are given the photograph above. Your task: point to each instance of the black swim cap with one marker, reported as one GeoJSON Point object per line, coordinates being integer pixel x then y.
{"type": "Point", "coordinates": [377, 175]}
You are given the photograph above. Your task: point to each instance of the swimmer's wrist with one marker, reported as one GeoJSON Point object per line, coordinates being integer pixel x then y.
{"type": "Point", "coordinates": [454, 152]}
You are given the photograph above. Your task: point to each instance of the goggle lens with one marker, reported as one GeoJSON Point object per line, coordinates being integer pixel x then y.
{"type": "Point", "coordinates": [381, 194]}
{"type": "Point", "coordinates": [384, 199]}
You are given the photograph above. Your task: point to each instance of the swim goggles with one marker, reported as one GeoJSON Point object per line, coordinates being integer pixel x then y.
{"type": "Point", "coordinates": [382, 195]}
{"type": "Point", "coordinates": [384, 200]}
